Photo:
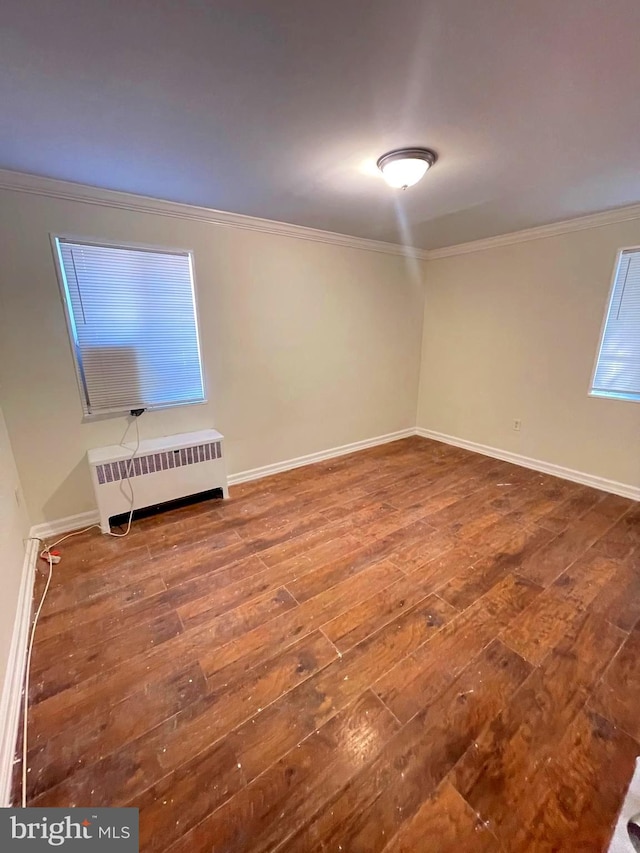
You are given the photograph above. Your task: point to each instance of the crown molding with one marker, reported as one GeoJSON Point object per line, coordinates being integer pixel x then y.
{"type": "Point", "coordinates": [70, 191]}
{"type": "Point", "coordinates": [567, 226]}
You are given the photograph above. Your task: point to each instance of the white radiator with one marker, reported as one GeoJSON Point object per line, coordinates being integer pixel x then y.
{"type": "Point", "coordinates": [162, 469]}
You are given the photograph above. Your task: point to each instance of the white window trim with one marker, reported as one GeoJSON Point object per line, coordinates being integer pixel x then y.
{"type": "Point", "coordinates": [606, 395]}
{"type": "Point", "coordinates": [88, 417]}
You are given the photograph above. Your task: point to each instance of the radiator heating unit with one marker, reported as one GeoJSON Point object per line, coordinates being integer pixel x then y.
{"type": "Point", "coordinates": [162, 469]}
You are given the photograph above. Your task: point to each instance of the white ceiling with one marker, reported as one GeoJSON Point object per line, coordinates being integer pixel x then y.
{"type": "Point", "coordinates": [277, 108]}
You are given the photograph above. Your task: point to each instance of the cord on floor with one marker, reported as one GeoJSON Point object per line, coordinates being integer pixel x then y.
{"type": "Point", "coordinates": [46, 554]}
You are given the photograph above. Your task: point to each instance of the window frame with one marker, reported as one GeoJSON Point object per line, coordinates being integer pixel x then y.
{"type": "Point", "coordinates": [610, 395]}
{"type": "Point", "coordinates": [65, 298]}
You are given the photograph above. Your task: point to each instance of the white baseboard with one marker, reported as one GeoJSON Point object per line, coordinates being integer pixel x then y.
{"type": "Point", "coordinates": [310, 458]}
{"type": "Point", "coordinates": [625, 490]}
{"type": "Point", "coordinates": [11, 698]}
{"type": "Point", "coordinates": [60, 526]}
{"type": "Point", "coordinates": [49, 529]}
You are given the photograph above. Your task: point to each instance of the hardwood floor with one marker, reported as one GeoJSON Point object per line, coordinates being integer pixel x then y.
{"type": "Point", "coordinates": [412, 648]}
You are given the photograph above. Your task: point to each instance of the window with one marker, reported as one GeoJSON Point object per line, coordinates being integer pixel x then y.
{"type": "Point", "coordinates": [617, 371]}
{"type": "Point", "coordinates": [132, 321]}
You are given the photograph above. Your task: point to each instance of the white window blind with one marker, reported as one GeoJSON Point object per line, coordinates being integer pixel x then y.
{"type": "Point", "coordinates": [133, 326]}
{"type": "Point", "coordinates": [617, 372]}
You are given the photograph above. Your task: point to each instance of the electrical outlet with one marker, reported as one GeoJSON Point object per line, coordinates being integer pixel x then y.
{"type": "Point", "coordinates": [517, 423]}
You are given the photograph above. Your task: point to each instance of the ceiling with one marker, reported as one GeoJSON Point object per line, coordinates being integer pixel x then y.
{"type": "Point", "coordinates": [279, 108]}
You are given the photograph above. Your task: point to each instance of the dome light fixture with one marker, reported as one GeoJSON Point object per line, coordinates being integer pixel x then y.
{"type": "Point", "coordinates": [404, 167]}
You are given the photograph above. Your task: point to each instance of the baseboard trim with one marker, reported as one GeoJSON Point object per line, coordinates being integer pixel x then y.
{"type": "Point", "coordinates": [310, 458]}
{"type": "Point", "coordinates": [625, 490]}
{"type": "Point", "coordinates": [49, 529]}
{"type": "Point", "coordinates": [60, 526]}
{"type": "Point", "coordinates": [11, 698]}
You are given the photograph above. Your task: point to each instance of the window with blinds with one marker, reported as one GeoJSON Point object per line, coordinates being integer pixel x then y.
{"type": "Point", "coordinates": [617, 371]}
{"type": "Point", "coordinates": [132, 320]}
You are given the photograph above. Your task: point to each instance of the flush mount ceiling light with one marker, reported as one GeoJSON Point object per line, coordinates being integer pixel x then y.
{"type": "Point", "coordinates": [404, 167]}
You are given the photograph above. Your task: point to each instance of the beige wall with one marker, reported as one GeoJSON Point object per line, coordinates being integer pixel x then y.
{"type": "Point", "coordinates": [309, 346]}
{"type": "Point", "coordinates": [512, 332]}
{"type": "Point", "coordinates": [13, 529]}
{"type": "Point", "coordinates": [306, 346]}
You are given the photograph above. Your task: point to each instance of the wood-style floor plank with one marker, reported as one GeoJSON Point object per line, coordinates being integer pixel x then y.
{"type": "Point", "coordinates": [224, 665]}
{"type": "Point", "coordinates": [297, 714]}
{"type": "Point", "coordinates": [496, 772]}
{"type": "Point", "coordinates": [545, 622]}
{"type": "Point", "coordinates": [181, 737]}
{"type": "Point", "coordinates": [372, 807]}
{"type": "Point", "coordinates": [408, 648]}
{"type": "Point", "coordinates": [281, 800]}
{"type": "Point", "coordinates": [618, 695]}
{"type": "Point", "coordinates": [421, 676]}
{"type": "Point", "coordinates": [583, 792]}
{"type": "Point", "coordinates": [442, 821]}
